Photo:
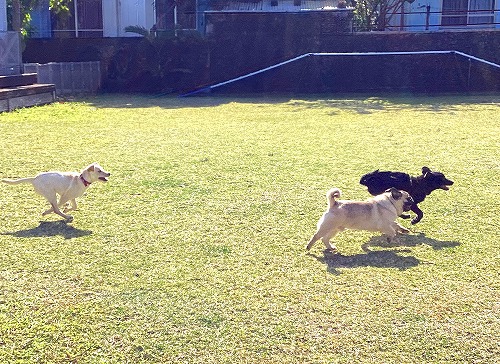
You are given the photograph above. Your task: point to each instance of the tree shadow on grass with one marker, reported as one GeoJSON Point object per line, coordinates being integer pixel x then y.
{"type": "Point", "coordinates": [51, 228]}
{"type": "Point", "coordinates": [382, 258]}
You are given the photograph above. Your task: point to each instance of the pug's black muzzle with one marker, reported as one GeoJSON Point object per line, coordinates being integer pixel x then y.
{"type": "Point", "coordinates": [408, 204]}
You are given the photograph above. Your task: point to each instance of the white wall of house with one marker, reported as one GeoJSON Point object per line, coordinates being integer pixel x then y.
{"type": "Point", "coordinates": [497, 14]}
{"type": "Point", "coordinates": [3, 15]}
{"type": "Point", "coordinates": [118, 14]}
{"type": "Point", "coordinates": [416, 14]}
{"type": "Point", "coordinates": [110, 18]}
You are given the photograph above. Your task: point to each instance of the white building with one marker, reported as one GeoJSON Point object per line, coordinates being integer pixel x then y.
{"type": "Point", "coordinates": [109, 18]}
{"type": "Point", "coordinates": [93, 18]}
{"type": "Point", "coordinates": [443, 15]}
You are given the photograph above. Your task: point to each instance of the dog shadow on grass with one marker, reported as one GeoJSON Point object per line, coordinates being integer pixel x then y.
{"type": "Point", "coordinates": [377, 259]}
{"type": "Point", "coordinates": [410, 240]}
{"type": "Point", "coordinates": [51, 228]}
{"type": "Point", "coordinates": [382, 258]}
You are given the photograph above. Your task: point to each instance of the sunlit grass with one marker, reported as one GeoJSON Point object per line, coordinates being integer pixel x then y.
{"type": "Point", "coordinates": [194, 251]}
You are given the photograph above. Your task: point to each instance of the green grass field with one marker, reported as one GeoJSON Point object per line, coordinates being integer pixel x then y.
{"type": "Point", "coordinates": [194, 251]}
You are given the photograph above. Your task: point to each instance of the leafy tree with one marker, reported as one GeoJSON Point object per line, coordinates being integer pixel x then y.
{"type": "Point", "coordinates": [375, 14]}
{"type": "Point", "coordinates": [18, 12]}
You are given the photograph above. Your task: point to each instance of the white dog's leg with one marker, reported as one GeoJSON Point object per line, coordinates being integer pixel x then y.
{"type": "Point", "coordinates": [52, 198]}
{"type": "Point", "coordinates": [73, 206]}
{"type": "Point", "coordinates": [60, 213]}
{"type": "Point", "coordinates": [49, 211]}
{"type": "Point", "coordinates": [62, 201]}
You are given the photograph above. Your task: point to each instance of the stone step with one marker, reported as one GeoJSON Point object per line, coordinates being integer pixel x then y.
{"type": "Point", "coordinates": [18, 80]}
{"type": "Point", "coordinates": [28, 95]}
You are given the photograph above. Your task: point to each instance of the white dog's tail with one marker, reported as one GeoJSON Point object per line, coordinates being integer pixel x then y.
{"type": "Point", "coordinates": [18, 181]}
{"type": "Point", "coordinates": [331, 195]}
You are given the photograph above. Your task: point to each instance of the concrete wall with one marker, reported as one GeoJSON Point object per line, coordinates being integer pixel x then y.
{"type": "Point", "coordinates": [69, 77]}
{"type": "Point", "coordinates": [182, 64]}
{"type": "Point", "coordinates": [259, 49]}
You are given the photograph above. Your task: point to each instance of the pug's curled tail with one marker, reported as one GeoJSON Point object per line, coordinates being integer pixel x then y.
{"type": "Point", "coordinates": [331, 195]}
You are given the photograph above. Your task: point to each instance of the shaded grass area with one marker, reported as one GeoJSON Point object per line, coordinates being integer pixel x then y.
{"type": "Point", "coordinates": [194, 251]}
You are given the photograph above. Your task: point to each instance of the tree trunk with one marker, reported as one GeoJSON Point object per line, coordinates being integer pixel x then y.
{"type": "Point", "coordinates": [16, 15]}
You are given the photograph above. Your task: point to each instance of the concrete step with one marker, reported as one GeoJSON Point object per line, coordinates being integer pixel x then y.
{"type": "Point", "coordinates": [18, 80]}
{"type": "Point", "coordinates": [28, 95]}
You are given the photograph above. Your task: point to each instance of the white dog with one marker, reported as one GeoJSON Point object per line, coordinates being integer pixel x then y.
{"type": "Point", "coordinates": [68, 185]}
{"type": "Point", "coordinates": [375, 214]}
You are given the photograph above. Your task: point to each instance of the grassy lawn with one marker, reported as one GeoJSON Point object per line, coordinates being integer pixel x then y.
{"type": "Point", "coordinates": [194, 251]}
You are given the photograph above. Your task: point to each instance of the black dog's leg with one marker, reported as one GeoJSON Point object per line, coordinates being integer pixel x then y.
{"type": "Point", "coordinates": [404, 216]}
{"type": "Point", "coordinates": [419, 213]}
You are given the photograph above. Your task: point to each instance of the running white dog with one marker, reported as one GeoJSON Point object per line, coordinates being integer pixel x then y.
{"type": "Point", "coordinates": [68, 185]}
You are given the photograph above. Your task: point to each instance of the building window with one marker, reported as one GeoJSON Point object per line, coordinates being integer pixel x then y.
{"type": "Point", "coordinates": [467, 12]}
{"type": "Point", "coordinates": [84, 20]}
{"type": "Point", "coordinates": [175, 14]}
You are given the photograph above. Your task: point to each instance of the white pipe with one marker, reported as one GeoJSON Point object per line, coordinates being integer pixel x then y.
{"type": "Point", "coordinates": [208, 88]}
{"type": "Point", "coordinates": [76, 18]}
{"type": "Point", "coordinates": [478, 59]}
{"type": "Point", "coordinates": [380, 53]}
{"type": "Point", "coordinates": [260, 71]}
{"type": "Point", "coordinates": [175, 19]}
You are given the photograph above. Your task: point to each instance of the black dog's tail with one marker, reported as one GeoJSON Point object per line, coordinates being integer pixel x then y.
{"type": "Point", "coordinates": [331, 195]}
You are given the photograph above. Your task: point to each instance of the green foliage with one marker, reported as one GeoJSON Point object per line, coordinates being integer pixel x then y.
{"type": "Point", "coordinates": [366, 14]}
{"type": "Point", "coordinates": [59, 6]}
{"type": "Point", "coordinates": [27, 6]}
{"type": "Point", "coordinates": [137, 29]}
{"type": "Point", "coordinates": [194, 251]}
{"type": "Point", "coordinates": [374, 14]}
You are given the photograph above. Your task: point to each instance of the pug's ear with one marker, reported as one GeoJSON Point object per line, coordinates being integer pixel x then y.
{"type": "Point", "coordinates": [395, 193]}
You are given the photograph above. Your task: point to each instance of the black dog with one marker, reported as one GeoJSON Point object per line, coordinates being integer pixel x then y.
{"type": "Point", "coordinates": [418, 187]}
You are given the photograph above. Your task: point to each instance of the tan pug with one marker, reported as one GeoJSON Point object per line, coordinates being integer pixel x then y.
{"type": "Point", "coordinates": [68, 185]}
{"type": "Point", "coordinates": [375, 214]}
